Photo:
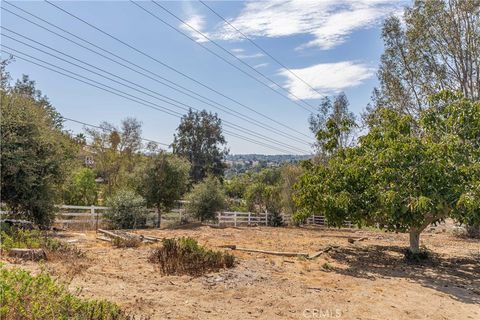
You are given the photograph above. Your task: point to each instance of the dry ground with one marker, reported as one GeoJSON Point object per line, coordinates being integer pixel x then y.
{"type": "Point", "coordinates": [365, 280]}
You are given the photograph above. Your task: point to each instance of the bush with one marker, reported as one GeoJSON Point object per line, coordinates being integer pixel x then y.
{"type": "Point", "coordinates": [206, 199]}
{"type": "Point", "coordinates": [127, 210]}
{"type": "Point", "coordinates": [40, 297]}
{"type": "Point", "coordinates": [185, 256]}
{"type": "Point", "coordinates": [127, 243]}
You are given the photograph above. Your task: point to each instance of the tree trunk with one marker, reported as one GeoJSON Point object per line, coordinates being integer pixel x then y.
{"type": "Point", "coordinates": [414, 241]}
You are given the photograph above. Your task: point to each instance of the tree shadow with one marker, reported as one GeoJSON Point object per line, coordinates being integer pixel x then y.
{"type": "Point", "coordinates": [458, 277]}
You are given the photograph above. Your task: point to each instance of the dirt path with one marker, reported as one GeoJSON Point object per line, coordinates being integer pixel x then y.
{"type": "Point", "coordinates": [365, 280]}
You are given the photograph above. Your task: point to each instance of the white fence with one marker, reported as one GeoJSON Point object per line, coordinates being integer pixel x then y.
{"type": "Point", "coordinates": [80, 215]}
{"type": "Point", "coordinates": [320, 220]}
{"type": "Point", "coordinates": [237, 218]}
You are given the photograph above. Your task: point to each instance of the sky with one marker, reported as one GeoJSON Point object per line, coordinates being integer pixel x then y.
{"type": "Point", "coordinates": [320, 48]}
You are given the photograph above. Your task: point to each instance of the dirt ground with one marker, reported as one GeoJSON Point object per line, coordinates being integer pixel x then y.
{"type": "Point", "coordinates": [364, 280]}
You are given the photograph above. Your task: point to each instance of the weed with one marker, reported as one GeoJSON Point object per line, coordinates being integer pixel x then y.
{"type": "Point", "coordinates": [127, 243]}
{"type": "Point", "coordinates": [186, 256]}
{"type": "Point", "coordinates": [422, 255]}
{"type": "Point", "coordinates": [40, 297]}
{"type": "Point", "coordinates": [327, 266]}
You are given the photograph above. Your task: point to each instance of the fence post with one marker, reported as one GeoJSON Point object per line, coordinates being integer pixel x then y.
{"type": "Point", "coordinates": [266, 218]}
{"type": "Point", "coordinates": [249, 218]}
{"type": "Point", "coordinates": [235, 218]}
{"type": "Point", "coordinates": [219, 215]}
{"type": "Point", "coordinates": [92, 213]}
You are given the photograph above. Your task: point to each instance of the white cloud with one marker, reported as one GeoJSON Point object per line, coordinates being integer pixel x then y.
{"type": "Point", "coordinates": [326, 78]}
{"type": "Point", "coordinates": [250, 56]}
{"type": "Point", "coordinates": [198, 22]}
{"type": "Point", "coordinates": [329, 22]}
{"type": "Point", "coordinates": [260, 65]}
{"type": "Point", "coordinates": [237, 50]}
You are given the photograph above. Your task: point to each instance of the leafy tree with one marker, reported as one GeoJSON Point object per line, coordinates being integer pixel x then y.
{"type": "Point", "coordinates": [206, 198]}
{"type": "Point", "coordinates": [436, 48]}
{"type": "Point", "coordinates": [34, 155]}
{"type": "Point", "coordinates": [199, 139]}
{"type": "Point", "coordinates": [400, 179]}
{"type": "Point", "coordinates": [81, 189]}
{"type": "Point", "coordinates": [127, 210]}
{"type": "Point", "coordinates": [333, 125]}
{"type": "Point", "coordinates": [117, 153]}
{"type": "Point", "coordinates": [165, 180]}
{"type": "Point", "coordinates": [290, 174]}
{"type": "Point", "coordinates": [237, 186]}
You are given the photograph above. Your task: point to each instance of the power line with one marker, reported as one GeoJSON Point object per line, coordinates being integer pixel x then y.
{"type": "Point", "coordinates": [244, 117]}
{"type": "Point", "coordinates": [260, 48]}
{"type": "Point", "coordinates": [103, 128]}
{"type": "Point", "coordinates": [222, 58]}
{"type": "Point", "coordinates": [125, 95]}
{"type": "Point", "coordinates": [175, 103]}
{"type": "Point", "coordinates": [166, 65]}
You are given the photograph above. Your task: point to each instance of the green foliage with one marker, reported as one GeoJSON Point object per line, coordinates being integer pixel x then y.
{"type": "Point", "coordinates": [399, 178]}
{"type": "Point", "coordinates": [35, 153]}
{"type": "Point", "coordinates": [290, 175]}
{"type": "Point", "coordinates": [81, 189]}
{"type": "Point", "coordinates": [165, 180]}
{"type": "Point", "coordinates": [186, 256]}
{"type": "Point", "coordinates": [200, 140]}
{"type": "Point", "coordinates": [206, 198]}
{"type": "Point", "coordinates": [127, 210]}
{"type": "Point", "coordinates": [40, 297]}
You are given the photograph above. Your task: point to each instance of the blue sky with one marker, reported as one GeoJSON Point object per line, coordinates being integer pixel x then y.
{"type": "Point", "coordinates": [332, 45]}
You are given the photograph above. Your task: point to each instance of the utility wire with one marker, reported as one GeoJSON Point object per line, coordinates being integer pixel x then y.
{"type": "Point", "coordinates": [123, 94]}
{"type": "Point", "coordinates": [102, 128]}
{"type": "Point", "coordinates": [176, 103]}
{"type": "Point", "coordinates": [260, 48]}
{"type": "Point", "coordinates": [222, 58]}
{"type": "Point", "coordinates": [158, 61]}
{"type": "Point", "coordinates": [194, 96]}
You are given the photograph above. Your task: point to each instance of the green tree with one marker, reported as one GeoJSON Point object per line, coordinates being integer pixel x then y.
{"type": "Point", "coordinates": [81, 188]}
{"type": "Point", "coordinates": [199, 139]}
{"type": "Point", "coordinates": [206, 199]}
{"type": "Point", "coordinates": [400, 179]}
{"type": "Point", "coordinates": [290, 174]}
{"type": "Point", "coordinates": [35, 154]}
{"type": "Point", "coordinates": [165, 180]}
{"type": "Point", "coordinates": [127, 210]}
{"type": "Point", "coordinates": [436, 47]}
{"type": "Point", "coordinates": [333, 125]}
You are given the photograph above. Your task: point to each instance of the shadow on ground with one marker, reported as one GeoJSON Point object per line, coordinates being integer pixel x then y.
{"type": "Point", "coordinates": [458, 277]}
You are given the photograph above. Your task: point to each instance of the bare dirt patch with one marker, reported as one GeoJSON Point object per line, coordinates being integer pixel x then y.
{"type": "Point", "coordinates": [365, 280]}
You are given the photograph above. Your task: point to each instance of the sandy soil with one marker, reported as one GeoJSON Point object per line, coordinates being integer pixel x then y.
{"type": "Point", "coordinates": [365, 280]}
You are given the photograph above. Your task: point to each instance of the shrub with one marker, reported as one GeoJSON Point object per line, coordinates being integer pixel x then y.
{"type": "Point", "coordinates": [127, 243]}
{"type": "Point", "coordinates": [127, 210]}
{"type": "Point", "coordinates": [186, 256]}
{"type": "Point", "coordinates": [40, 297]}
{"type": "Point", "coordinates": [206, 199]}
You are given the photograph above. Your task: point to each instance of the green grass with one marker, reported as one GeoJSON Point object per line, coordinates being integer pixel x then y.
{"type": "Point", "coordinates": [186, 256]}
{"type": "Point", "coordinates": [24, 296]}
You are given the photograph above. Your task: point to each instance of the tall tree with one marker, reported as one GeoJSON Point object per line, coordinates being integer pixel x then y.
{"type": "Point", "coordinates": [333, 125]}
{"type": "Point", "coordinates": [436, 48]}
{"type": "Point", "coordinates": [164, 181]}
{"type": "Point", "coordinates": [199, 139]}
{"type": "Point", "coordinates": [35, 154]}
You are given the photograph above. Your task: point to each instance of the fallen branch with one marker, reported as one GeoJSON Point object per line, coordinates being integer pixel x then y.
{"type": "Point", "coordinates": [319, 253]}
{"type": "Point", "coordinates": [112, 234]}
{"type": "Point", "coordinates": [104, 239]}
{"type": "Point", "coordinates": [276, 253]}
{"type": "Point", "coordinates": [144, 237]}
{"type": "Point", "coordinates": [352, 240]}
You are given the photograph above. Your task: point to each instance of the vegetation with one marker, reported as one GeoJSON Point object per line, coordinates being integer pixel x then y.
{"type": "Point", "coordinates": [200, 140]}
{"type": "Point", "coordinates": [164, 181]}
{"type": "Point", "coordinates": [40, 297]}
{"type": "Point", "coordinates": [206, 199]}
{"type": "Point", "coordinates": [399, 179]}
{"type": "Point", "coordinates": [35, 151]}
{"type": "Point", "coordinates": [186, 256]}
{"type": "Point", "coordinates": [81, 188]}
{"type": "Point", "coordinates": [127, 210]}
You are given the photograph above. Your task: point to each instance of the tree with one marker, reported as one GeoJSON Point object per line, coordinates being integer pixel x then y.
{"type": "Point", "coordinates": [404, 175]}
{"type": "Point", "coordinates": [116, 152]}
{"type": "Point", "coordinates": [206, 198]}
{"type": "Point", "coordinates": [199, 139]}
{"type": "Point", "coordinates": [290, 174]}
{"type": "Point", "coordinates": [81, 189]}
{"type": "Point", "coordinates": [127, 210]}
{"type": "Point", "coordinates": [34, 153]}
{"type": "Point", "coordinates": [333, 125]}
{"type": "Point", "coordinates": [165, 180]}
{"type": "Point", "coordinates": [436, 48]}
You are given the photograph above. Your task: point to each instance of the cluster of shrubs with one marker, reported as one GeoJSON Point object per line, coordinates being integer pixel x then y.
{"type": "Point", "coordinates": [185, 256]}
{"type": "Point", "coordinates": [25, 296]}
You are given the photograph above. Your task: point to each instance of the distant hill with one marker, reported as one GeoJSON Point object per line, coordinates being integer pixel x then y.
{"type": "Point", "coordinates": [277, 158]}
